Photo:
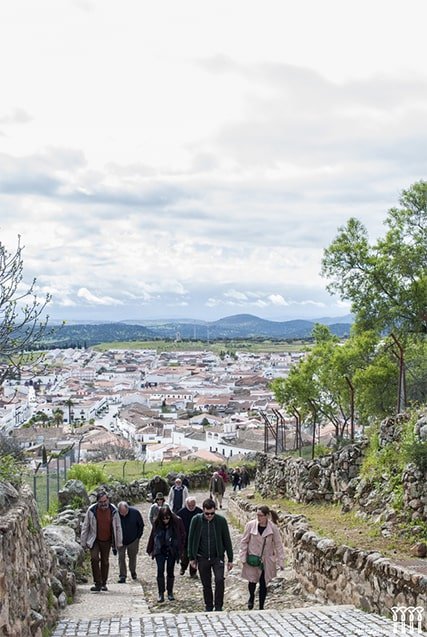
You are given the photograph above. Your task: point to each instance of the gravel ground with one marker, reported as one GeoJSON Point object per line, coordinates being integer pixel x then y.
{"type": "Point", "coordinates": [283, 592]}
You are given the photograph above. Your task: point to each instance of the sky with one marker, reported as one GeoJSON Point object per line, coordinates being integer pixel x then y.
{"type": "Point", "coordinates": [193, 159]}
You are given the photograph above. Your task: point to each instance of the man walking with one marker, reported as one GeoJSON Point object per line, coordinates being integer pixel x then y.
{"type": "Point", "coordinates": [132, 529]}
{"type": "Point", "coordinates": [208, 541]}
{"type": "Point", "coordinates": [101, 530]}
{"type": "Point", "coordinates": [177, 495]}
{"type": "Point", "coordinates": [217, 489]}
{"type": "Point", "coordinates": [186, 514]}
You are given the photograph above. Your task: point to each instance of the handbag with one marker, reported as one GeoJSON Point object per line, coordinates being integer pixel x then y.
{"type": "Point", "coordinates": [256, 560]}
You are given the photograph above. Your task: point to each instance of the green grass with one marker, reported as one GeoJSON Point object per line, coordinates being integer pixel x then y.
{"type": "Point", "coordinates": [201, 346]}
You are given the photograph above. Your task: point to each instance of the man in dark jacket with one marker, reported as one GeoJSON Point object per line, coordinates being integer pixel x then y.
{"type": "Point", "coordinates": [186, 514]}
{"type": "Point", "coordinates": [132, 528]}
{"type": "Point", "coordinates": [208, 541]}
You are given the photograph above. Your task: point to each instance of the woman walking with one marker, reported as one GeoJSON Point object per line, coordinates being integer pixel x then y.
{"type": "Point", "coordinates": [166, 544]}
{"type": "Point", "coordinates": [261, 539]}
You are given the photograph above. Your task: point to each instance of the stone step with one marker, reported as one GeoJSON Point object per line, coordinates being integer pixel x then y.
{"type": "Point", "coordinates": [317, 621]}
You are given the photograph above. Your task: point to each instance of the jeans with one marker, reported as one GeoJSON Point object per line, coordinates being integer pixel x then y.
{"type": "Point", "coordinates": [169, 562]}
{"type": "Point", "coordinates": [206, 567]}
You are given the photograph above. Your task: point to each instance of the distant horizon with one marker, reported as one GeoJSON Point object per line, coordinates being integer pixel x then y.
{"type": "Point", "coordinates": [189, 319]}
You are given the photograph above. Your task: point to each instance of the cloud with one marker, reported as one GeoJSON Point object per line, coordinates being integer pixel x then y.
{"type": "Point", "coordinates": [17, 116]}
{"type": "Point", "coordinates": [85, 294]}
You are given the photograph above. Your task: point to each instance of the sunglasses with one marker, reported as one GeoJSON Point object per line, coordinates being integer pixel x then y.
{"type": "Point", "coordinates": [207, 513]}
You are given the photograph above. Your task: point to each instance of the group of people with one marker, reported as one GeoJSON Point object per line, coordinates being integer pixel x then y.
{"type": "Point", "coordinates": [181, 532]}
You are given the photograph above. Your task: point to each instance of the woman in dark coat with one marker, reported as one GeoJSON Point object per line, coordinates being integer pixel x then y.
{"type": "Point", "coordinates": [166, 544]}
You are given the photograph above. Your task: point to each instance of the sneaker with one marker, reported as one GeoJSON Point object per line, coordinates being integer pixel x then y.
{"type": "Point", "coordinates": [208, 609]}
{"type": "Point", "coordinates": [171, 598]}
{"type": "Point", "coordinates": [218, 609]}
{"type": "Point", "coordinates": [122, 580]}
{"type": "Point", "coordinates": [134, 576]}
{"type": "Point", "coordinates": [104, 587]}
{"type": "Point", "coordinates": [161, 599]}
{"type": "Point", "coordinates": [95, 588]}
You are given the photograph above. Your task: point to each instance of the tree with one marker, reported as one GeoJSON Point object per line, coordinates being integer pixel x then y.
{"type": "Point", "coordinates": [21, 324]}
{"type": "Point", "coordinates": [386, 282]}
{"type": "Point", "coordinates": [58, 417]}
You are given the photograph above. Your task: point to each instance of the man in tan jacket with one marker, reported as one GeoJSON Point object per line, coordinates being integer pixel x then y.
{"type": "Point", "coordinates": [101, 530]}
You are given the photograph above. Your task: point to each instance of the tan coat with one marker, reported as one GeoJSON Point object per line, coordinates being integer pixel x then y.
{"type": "Point", "coordinates": [273, 555]}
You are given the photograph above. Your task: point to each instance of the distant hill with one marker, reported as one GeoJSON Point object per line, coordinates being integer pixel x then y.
{"type": "Point", "coordinates": [238, 326]}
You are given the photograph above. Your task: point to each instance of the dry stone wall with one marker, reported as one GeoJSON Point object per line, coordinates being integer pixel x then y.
{"type": "Point", "coordinates": [27, 568]}
{"type": "Point", "coordinates": [329, 478]}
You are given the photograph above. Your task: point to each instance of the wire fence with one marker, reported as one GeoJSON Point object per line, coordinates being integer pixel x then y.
{"type": "Point", "coordinates": [49, 477]}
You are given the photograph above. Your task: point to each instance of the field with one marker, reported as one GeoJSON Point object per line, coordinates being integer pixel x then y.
{"type": "Point", "coordinates": [202, 346]}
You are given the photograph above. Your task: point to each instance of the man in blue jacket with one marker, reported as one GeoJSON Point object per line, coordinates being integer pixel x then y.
{"type": "Point", "coordinates": [132, 529]}
{"type": "Point", "coordinates": [209, 540]}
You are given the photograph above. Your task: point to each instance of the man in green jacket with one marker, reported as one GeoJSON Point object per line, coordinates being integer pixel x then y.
{"type": "Point", "coordinates": [208, 541]}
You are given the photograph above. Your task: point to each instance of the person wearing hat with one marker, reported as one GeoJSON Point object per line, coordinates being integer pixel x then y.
{"type": "Point", "coordinates": [155, 507]}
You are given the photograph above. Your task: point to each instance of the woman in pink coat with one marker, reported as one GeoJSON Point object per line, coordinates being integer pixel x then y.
{"type": "Point", "coordinates": [261, 537]}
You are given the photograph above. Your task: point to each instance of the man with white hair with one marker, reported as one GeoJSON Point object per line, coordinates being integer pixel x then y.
{"type": "Point", "coordinates": [217, 489]}
{"type": "Point", "coordinates": [132, 529]}
{"type": "Point", "coordinates": [177, 495]}
{"type": "Point", "coordinates": [186, 514]}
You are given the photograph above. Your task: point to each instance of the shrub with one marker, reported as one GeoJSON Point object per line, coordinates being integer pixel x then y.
{"type": "Point", "coordinates": [10, 470]}
{"type": "Point", "coordinates": [91, 475]}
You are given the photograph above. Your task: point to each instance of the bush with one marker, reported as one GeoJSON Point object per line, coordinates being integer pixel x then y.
{"type": "Point", "coordinates": [10, 470]}
{"type": "Point", "coordinates": [417, 453]}
{"type": "Point", "coordinates": [90, 474]}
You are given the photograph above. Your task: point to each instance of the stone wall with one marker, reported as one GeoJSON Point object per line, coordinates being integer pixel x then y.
{"type": "Point", "coordinates": [338, 574]}
{"type": "Point", "coordinates": [27, 568]}
{"type": "Point", "coordinates": [332, 478]}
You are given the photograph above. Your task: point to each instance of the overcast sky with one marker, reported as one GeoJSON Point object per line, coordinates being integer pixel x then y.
{"type": "Point", "coordinates": [193, 159]}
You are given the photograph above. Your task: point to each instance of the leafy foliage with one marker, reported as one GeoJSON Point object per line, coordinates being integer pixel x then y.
{"type": "Point", "coordinates": [90, 474]}
{"type": "Point", "coordinates": [10, 470]}
{"type": "Point", "coordinates": [386, 282]}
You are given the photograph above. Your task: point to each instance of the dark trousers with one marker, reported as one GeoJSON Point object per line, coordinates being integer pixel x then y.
{"type": "Point", "coordinates": [185, 561]}
{"type": "Point", "coordinates": [169, 562]}
{"type": "Point", "coordinates": [99, 561]}
{"type": "Point", "coordinates": [262, 591]}
{"type": "Point", "coordinates": [206, 567]}
{"type": "Point", "coordinates": [132, 551]}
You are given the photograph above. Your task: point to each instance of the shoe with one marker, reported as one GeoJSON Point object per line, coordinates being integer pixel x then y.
{"type": "Point", "coordinates": [95, 588]}
{"type": "Point", "coordinates": [134, 576]}
{"type": "Point", "coordinates": [171, 598]}
{"type": "Point", "coordinates": [161, 599]}
{"type": "Point", "coordinates": [182, 572]}
{"type": "Point", "coordinates": [208, 609]}
{"type": "Point", "coordinates": [104, 588]}
{"type": "Point", "coordinates": [121, 580]}
{"type": "Point", "coordinates": [250, 605]}
{"type": "Point", "coordinates": [218, 610]}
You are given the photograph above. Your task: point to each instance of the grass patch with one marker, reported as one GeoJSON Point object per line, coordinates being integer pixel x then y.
{"type": "Point", "coordinates": [329, 521]}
